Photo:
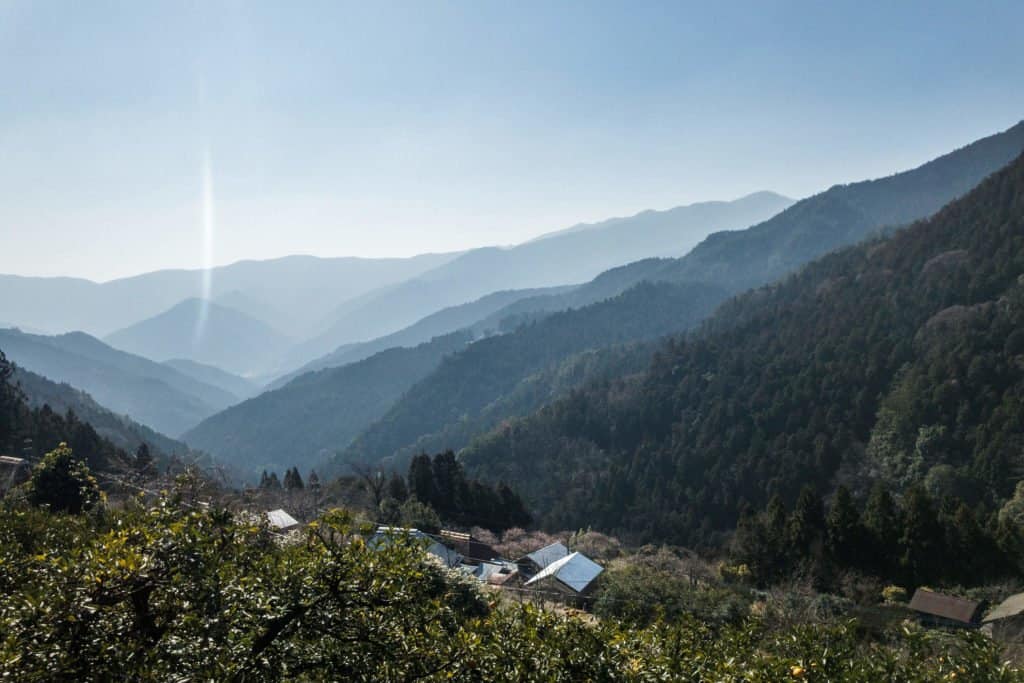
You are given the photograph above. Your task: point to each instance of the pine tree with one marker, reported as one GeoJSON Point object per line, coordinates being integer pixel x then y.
{"type": "Point", "coordinates": [807, 522]}
{"type": "Point", "coordinates": [843, 533]}
{"type": "Point", "coordinates": [397, 489]}
{"type": "Point", "coordinates": [421, 479]}
{"type": "Point", "coordinates": [922, 540]}
{"type": "Point", "coordinates": [143, 458]}
{"type": "Point", "coordinates": [881, 522]}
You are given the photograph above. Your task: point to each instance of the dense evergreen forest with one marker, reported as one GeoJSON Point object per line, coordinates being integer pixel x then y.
{"type": "Point", "coordinates": [466, 384]}
{"type": "Point", "coordinates": [895, 361]}
{"type": "Point", "coordinates": [465, 395]}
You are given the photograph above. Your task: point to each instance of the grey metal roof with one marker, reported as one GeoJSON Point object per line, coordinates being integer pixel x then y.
{"type": "Point", "coordinates": [576, 571]}
{"type": "Point", "coordinates": [446, 555]}
{"type": "Point", "coordinates": [548, 554]}
{"type": "Point", "coordinates": [488, 569]}
{"type": "Point", "coordinates": [1010, 607]}
{"type": "Point", "coordinates": [279, 519]}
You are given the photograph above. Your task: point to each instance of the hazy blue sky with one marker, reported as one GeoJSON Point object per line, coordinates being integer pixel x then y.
{"type": "Point", "coordinates": [389, 129]}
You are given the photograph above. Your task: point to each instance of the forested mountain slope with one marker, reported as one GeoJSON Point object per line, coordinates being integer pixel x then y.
{"type": "Point", "coordinates": [121, 431]}
{"type": "Point", "coordinates": [442, 408]}
{"type": "Point", "coordinates": [239, 387]}
{"type": "Point", "coordinates": [153, 394]}
{"type": "Point", "coordinates": [29, 432]}
{"type": "Point", "coordinates": [896, 360]}
{"type": "Point", "coordinates": [318, 413]}
{"type": "Point", "coordinates": [436, 324]}
{"type": "Point", "coordinates": [445, 405]}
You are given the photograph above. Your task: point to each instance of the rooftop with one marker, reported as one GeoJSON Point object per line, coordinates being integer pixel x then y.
{"type": "Point", "coordinates": [576, 571]}
{"type": "Point", "coordinates": [548, 554]}
{"type": "Point", "coordinates": [1010, 607]}
{"type": "Point", "coordinates": [279, 519]}
{"type": "Point", "coordinates": [945, 606]}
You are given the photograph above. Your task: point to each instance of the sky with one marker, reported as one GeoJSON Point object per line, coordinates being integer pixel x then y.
{"type": "Point", "coordinates": [147, 135]}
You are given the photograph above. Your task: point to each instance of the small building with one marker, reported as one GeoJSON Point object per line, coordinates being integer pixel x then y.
{"type": "Point", "coordinates": [280, 520]}
{"type": "Point", "coordinates": [1006, 620]}
{"type": "Point", "coordinates": [945, 611]}
{"type": "Point", "coordinates": [13, 471]}
{"type": "Point", "coordinates": [473, 550]}
{"type": "Point", "coordinates": [385, 535]}
{"type": "Point", "coordinates": [573, 575]}
{"type": "Point", "coordinates": [540, 559]}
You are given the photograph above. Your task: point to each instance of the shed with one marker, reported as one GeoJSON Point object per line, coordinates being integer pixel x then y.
{"type": "Point", "coordinates": [573, 574]}
{"type": "Point", "coordinates": [938, 609]}
{"type": "Point", "coordinates": [541, 559]}
{"type": "Point", "coordinates": [1006, 620]}
{"type": "Point", "coordinates": [13, 471]}
{"type": "Point", "coordinates": [281, 520]}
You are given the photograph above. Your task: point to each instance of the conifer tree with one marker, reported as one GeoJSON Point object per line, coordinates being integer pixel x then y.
{"type": "Point", "coordinates": [843, 535]}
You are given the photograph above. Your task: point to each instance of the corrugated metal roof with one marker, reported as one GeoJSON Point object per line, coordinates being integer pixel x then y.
{"type": "Point", "coordinates": [1010, 607]}
{"type": "Point", "coordinates": [576, 571]}
{"type": "Point", "coordinates": [279, 519]}
{"type": "Point", "coordinates": [945, 606]}
{"type": "Point", "coordinates": [548, 554]}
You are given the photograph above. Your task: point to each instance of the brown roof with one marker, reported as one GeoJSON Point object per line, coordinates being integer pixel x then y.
{"type": "Point", "coordinates": [472, 549]}
{"type": "Point", "coordinates": [945, 606]}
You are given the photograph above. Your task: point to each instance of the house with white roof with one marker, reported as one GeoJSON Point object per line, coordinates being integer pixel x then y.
{"type": "Point", "coordinates": [540, 559]}
{"type": "Point", "coordinates": [571, 575]}
{"type": "Point", "coordinates": [281, 520]}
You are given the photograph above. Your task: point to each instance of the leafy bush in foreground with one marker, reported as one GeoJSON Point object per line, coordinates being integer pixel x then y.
{"type": "Point", "coordinates": [174, 593]}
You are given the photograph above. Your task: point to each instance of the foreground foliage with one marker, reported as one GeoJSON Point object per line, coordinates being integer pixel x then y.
{"type": "Point", "coordinates": [176, 592]}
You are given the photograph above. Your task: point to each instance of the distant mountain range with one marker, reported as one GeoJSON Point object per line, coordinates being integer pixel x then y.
{"type": "Point", "coordinates": [156, 395]}
{"type": "Point", "coordinates": [292, 294]}
{"type": "Point", "coordinates": [573, 256]}
{"type": "Point", "coordinates": [207, 333]}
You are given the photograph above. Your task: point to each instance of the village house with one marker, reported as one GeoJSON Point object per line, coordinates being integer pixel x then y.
{"type": "Point", "coordinates": [539, 559]}
{"type": "Point", "coordinates": [473, 550]}
{"type": "Point", "coordinates": [1006, 620]}
{"type": "Point", "coordinates": [280, 520]}
{"type": "Point", "coordinates": [938, 610]}
{"type": "Point", "coordinates": [386, 535]}
{"type": "Point", "coordinates": [571, 576]}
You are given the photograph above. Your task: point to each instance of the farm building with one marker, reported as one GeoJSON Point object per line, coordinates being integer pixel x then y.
{"type": "Point", "coordinates": [945, 611]}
